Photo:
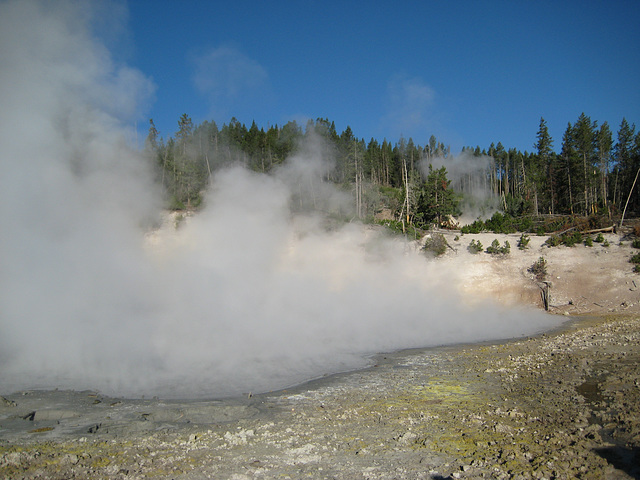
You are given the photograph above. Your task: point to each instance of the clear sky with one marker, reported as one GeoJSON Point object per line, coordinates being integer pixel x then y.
{"type": "Point", "coordinates": [468, 72]}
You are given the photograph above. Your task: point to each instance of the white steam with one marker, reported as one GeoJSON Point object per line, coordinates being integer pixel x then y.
{"type": "Point", "coordinates": [245, 296]}
{"type": "Point", "coordinates": [469, 175]}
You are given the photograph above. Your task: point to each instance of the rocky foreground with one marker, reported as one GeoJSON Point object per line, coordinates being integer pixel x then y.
{"type": "Point", "coordinates": [562, 405]}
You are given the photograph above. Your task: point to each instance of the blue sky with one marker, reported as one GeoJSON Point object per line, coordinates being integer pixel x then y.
{"type": "Point", "coordinates": [468, 72]}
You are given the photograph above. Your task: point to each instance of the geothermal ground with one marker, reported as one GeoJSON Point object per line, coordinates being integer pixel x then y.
{"type": "Point", "coordinates": [565, 404]}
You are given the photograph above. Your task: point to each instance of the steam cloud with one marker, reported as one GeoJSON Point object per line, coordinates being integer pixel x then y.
{"type": "Point", "coordinates": [246, 296]}
{"type": "Point", "coordinates": [468, 173]}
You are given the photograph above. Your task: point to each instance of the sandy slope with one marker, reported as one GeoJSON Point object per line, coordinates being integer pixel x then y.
{"type": "Point", "coordinates": [583, 279]}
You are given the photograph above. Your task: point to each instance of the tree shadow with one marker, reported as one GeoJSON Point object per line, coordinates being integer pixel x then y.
{"type": "Point", "coordinates": [622, 458]}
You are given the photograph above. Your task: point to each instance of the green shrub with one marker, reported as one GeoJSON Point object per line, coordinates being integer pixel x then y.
{"type": "Point", "coordinates": [568, 239]}
{"type": "Point", "coordinates": [496, 249]}
{"type": "Point", "coordinates": [435, 244]}
{"type": "Point", "coordinates": [553, 241]}
{"type": "Point", "coordinates": [523, 242]}
{"type": "Point", "coordinates": [635, 258]}
{"type": "Point", "coordinates": [599, 238]}
{"type": "Point", "coordinates": [395, 226]}
{"type": "Point", "coordinates": [501, 223]}
{"type": "Point", "coordinates": [525, 224]}
{"type": "Point", "coordinates": [175, 204]}
{"type": "Point", "coordinates": [539, 269]}
{"type": "Point", "coordinates": [476, 227]}
{"type": "Point", "coordinates": [605, 243]}
{"type": "Point", "coordinates": [179, 219]}
{"type": "Point", "coordinates": [636, 243]}
{"type": "Point", "coordinates": [475, 246]}
{"type": "Point", "coordinates": [588, 242]}
{"type": "Point", "coordinates": [571, 239]}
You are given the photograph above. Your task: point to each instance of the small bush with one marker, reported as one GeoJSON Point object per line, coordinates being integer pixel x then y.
{"type": "Point", "coordinates": [568, 239]}
{"type": "Point", "coordinates": [572, 239]}
{"type": "Point", "coordinates": [523, 242]}
{"type": "Point", "coordinates": [175, 204]}
{"type": "Point", "coordinates": [396, 227]}
{"type": "Point", "coordinates": [553, 241]}
{"type": "Point", "coordinates": [179, 220]}
{"type": "Point", "coordinates": [539, 269]}
{"type": "Point", "coordinates": [475, 246]}
{"type": "Point", "coordinates": [636, 243]}
{"type": "Point", "coordinates": [435, 244]}
{"type": "Point", "coordinates": [635, 259]}
{"type": "Point", "coordinates": [476, 227]}
{"type": "Point", "coordinates": [498, 223]}
{"type": "Point", "coordinates": [457, 237]}
{"type": "Point", "coordinates": [599, 238]}
{"type": "Point", "coordinates": [496, 249]}
{"type": "Point", "coordinates": [588, 242]}
{"type": "Point", "coordinates": [605, 243]}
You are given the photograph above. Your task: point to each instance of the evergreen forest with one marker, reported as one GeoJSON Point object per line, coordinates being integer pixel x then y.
{"type": "Point", "coordinates": [589, 173]}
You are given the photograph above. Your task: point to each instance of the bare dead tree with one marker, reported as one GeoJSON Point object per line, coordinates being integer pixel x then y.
{"type": "Point", "coordinates": [629, 197]}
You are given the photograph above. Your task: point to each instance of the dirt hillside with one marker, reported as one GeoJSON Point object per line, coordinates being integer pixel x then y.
{"type": "Point", "coordinates": [583, 280]}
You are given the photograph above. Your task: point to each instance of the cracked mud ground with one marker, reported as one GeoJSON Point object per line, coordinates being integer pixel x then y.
{"type": "Point", "coordinates": [562, 405]}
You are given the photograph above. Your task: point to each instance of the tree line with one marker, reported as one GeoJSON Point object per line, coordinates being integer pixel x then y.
{"type": "Point", "coordinates": [591, 174]}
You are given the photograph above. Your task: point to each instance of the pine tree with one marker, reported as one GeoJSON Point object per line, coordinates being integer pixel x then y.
{"type": "Point", "coordinates": [373, 162]}
{"type": "Point", "coordinates": [604, 145]}
{"type": "Point", "coordinates": [567, 175]}
{"type": "Point", "coordinates": [623, 156]}
{"type": "Point", "coordinates": [544, 148]}
{"type": "Point", "coordinates": [437, 200]}
{"type": "Point", "coordinates": [152, 137]}
{"type": "Point", "coordinates": [584, 139]}
{"type": "Point", "coordinates": [185, 127]}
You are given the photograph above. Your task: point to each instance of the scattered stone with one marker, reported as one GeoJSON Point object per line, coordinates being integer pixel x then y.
{"type": "Point", "coordinates": [94, 428]}
{"type": "Point", "coordinates": [7, 403]}
{"type": "Point", "coordinates": [29, 416]}
{"type": "Point", "coordinates": [41, 430]}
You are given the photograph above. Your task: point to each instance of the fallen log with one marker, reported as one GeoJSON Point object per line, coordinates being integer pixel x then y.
{"type": "Point", "coordinates": [601, 230]}
{"type": "Point", "coordinates": [597, 230]}
{"type": "Point", "coordinates": [562, 232]}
